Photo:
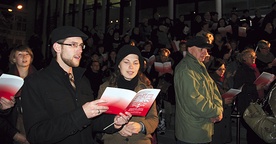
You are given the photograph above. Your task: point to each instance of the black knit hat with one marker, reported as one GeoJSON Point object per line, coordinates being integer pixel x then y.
{"type": "Point", "coordinates": [64, 32]}
{"type": "Point", "coordinates": [126, 50]}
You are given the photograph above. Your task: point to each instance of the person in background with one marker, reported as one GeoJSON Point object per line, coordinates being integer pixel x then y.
{"type": "Point", "coordinates": [8, 133]}
{"type": "Point", "coordinates": [198, 100]}
{"type": "Point", "coordinates": [6, 130]}
{"type": "Point", "coordinates": [177, 56]}
{"type": "Point", "coordinates": [95, 77]}
{"type": "Point", "coordinates": [222, 129]}
{"type": "Point", "coordinates": [21, 58]}
{"type": "Point", "coordinates": [264, 60]}
{"type": "Point", "coordinates": [58, 102]}
{"type": "Point", "coordinates": [245, 76]}
{"type": "Point", "coordinates": [129, 75]}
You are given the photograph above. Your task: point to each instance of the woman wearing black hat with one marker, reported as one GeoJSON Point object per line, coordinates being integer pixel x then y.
{"type": "Point", "coordinates": [128, 75]}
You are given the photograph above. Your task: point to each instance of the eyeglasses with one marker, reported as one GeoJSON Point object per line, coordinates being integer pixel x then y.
{"type": "Point", "coordinates": [251, 56]}
{"type": "Point", "coordinates": [73, 45]}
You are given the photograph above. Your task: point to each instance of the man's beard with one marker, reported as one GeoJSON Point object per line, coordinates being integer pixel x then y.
{"type": "Point", "coordinates": [70, 62]}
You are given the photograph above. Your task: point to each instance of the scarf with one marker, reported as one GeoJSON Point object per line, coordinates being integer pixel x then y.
{"type": "Point", "coordinates": [257, 74]}
{"type": "Point", "coordinates": [123, 83]}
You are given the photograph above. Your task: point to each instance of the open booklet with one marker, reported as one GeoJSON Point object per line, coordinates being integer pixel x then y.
{"type": "Point", "coordinates": [232, 93]}
{"type": "Point", "coordinates": [121, 100]}
{"type": "Point", "coordinates": [265, 78]}
{"type": "Point", "coordinates": [9, 85]}
{"type": "Point", "coordinates": [150, 60]}
{"type": "Point", "coordinates": [165, 67]}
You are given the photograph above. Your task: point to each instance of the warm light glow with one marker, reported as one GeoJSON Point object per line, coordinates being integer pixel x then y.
{"type": "Point", "coordinates": [117, 21]}
{"type": "Point", "coordinates": [19, 6]}
{"type": "Point", "coordinates": [111, 21]}
{"type": "Point", "coordinates": [9, 10]}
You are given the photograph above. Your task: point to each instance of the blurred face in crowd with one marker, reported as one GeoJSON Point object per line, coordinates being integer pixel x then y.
{"type": "Point", "coordinates": [164, 55]}
{"type": "Point", "coordinates": [69, 52]}
{"type": "Point", "coordinates": [147, 48]}
{"type": "Point", "coordinates": [95, 57]}
{"type": "Point", "coordinates": [265, 50]}
{"type": "Point", "coordinates": [95, 66]}
{"type": "Point", "coordinates": [129, 66]}
{"type": "Point", "coordinates": [234, 18]}
{"type": "Point", "coordinates": [222, 23]}
{"type": "Point", "coordinates": [221, 70]}
{"type": "Point", "coordinates": [249, 58]}
{"type": "Point", "coordinates": [199, 53]}
{"type": "Point", "coordinates": [113, 55]}
{"type": "Point", "coordinates": [227, 55]}
{"type": "Point", "coordinates": [268, 28]}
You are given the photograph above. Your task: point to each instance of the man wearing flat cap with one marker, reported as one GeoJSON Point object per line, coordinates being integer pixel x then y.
{"type": "Point", "coordinates": [58, 102]}
{"type": "Point", "coordinates": [198, 101]}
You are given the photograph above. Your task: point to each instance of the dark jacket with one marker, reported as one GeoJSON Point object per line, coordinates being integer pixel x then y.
{"type": "Point", "coordinates": [53, 109]}
{"type": "Point", "coordinates": [245, 76]}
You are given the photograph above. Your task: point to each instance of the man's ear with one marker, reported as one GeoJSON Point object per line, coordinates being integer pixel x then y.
{"type": "Point", "coordinates": [57, 47]}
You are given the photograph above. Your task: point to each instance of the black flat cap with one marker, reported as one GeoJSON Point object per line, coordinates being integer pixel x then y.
{"type": "Point", "coordinates": [64, 32]}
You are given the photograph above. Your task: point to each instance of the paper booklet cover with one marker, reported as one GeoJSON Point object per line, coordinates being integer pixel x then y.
{"type": "Point", "coordinates": [231, 93]}
{"type": "Point", "coordinates": [165, 67]}
{"type": "Point", "coordinates": [9, 85]}
{"type": "Point", "coordinates": [265, 78]}
{"type": "Point", "coordinates": [150, 60]}
{"type": "Point", "coordinates": [122, 100]}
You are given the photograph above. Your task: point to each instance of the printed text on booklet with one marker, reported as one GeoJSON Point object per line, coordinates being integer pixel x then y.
{"type": "Point", "coordinates": [121, 100]}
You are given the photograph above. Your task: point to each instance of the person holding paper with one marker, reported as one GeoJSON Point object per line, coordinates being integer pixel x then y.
{"type": "Point", "coordinates": [128, 75]}
{"type": "Point", "coordinates": [198, 100]}
{"type": "Point", "coordinates": [58, 101]}
{"type": "Point", "coordinates": [265, 59]}
{"type": "Point", "coordinates": [222, 129]}
{"type": "Point", "coordinates": [21, 58]}
{"type": "Point", "coordinates": [245, 75]}
{"type": "Point", "coordinates": [8, 133]}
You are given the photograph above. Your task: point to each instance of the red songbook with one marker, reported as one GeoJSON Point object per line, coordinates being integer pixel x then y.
{"type": "Point", "coordinates": [265, 78]}
{"type": "Point", "coordinates": [9, 85]}
{"type": "Point", "coordinates": [165, 67]}
{"type": "Point", "coordinates": [122, 100]}
{"type": "Point", "coordinates": [231, 93]}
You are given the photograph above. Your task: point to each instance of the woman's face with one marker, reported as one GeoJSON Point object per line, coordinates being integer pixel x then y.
{"type": "Point", "coordinates": [265, 50]}
{"type": "Point", "coordinates": [129, 66]}
{"type": "Point", "coordinates": [222, 23]}
{"type": "Point", "coordinates": [147, 48]}
{"type": "Point", "coordinates": [113, 55]}
{"type": "Point", "coordinates": [227, 55]}
{"type": "Point", "coordinates": [250, 58]}
{"type": "Point", "coordinates": [221, 70]}
{"type": "Point", "coordinates": [22, 59]}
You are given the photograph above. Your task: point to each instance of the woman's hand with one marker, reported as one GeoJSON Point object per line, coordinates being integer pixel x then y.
{"type": "Point", "coordinates": [130, 129]}
{"type": "Point", "coordinates": [6, 104]}
{"type": "Point", "coordinates": [228, 101]}
{"type": "Point", "coordinates": [121, 119]}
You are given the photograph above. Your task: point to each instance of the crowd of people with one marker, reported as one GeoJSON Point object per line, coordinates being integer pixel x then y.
{"type": "Point", "coordinates": [192, 64]}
